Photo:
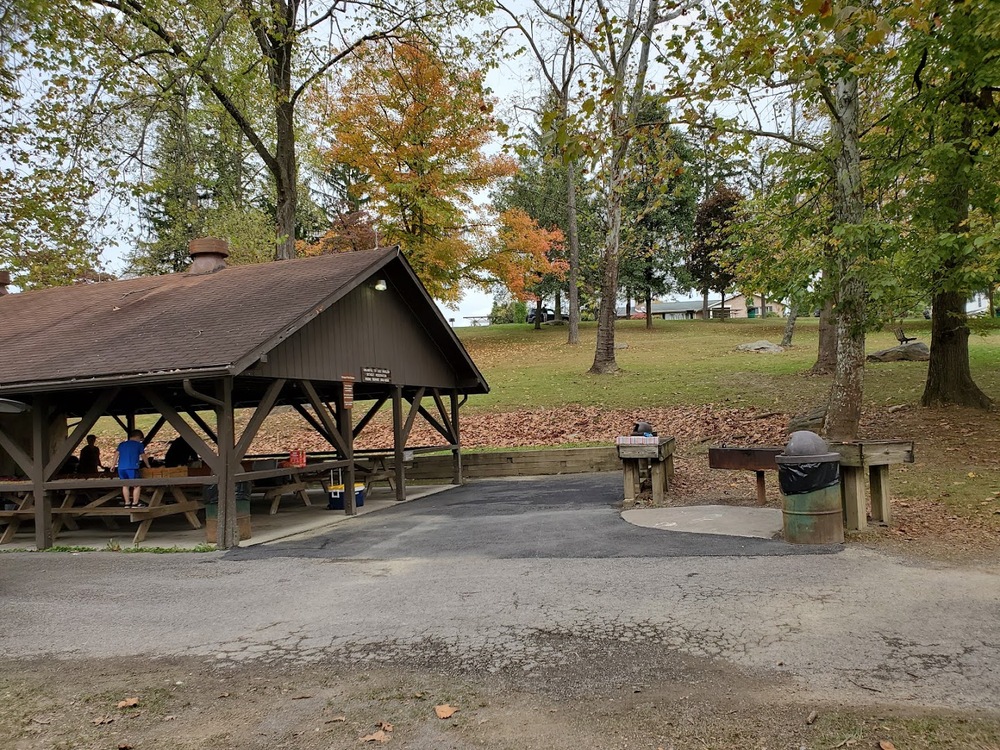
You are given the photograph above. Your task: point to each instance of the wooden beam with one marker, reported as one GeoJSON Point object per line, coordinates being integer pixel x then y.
{"type": "Point", "coordinates": [445, 420]}
{"type": "Point", "coordinates": [69, 443]}
{"type": "Point", "coordinates": [39, 449]}
{"type": "Point", "coordinates": [414, 410]}
{"type": "Point", "coordinates": [21, 458]}
{"type": "Point", "coordinates": [121, 423]}
{"type": "Point", "coordinates": [203, 425]}
{"type": "Point", "coordinates": [371, 413]}
{"type": "Point", "coordinates": [434, 423]}
{"type": "Point", "coordinates": [314, 423]}
{"type": "Point", "coordinates": [347, 437]}
{"type": "Point", "coordinates": [456, 452]}
{"type": "Point", "coordinates": [227, 531]}
{"type": "Point", "coordinates": [398, 441]}
{"type": "Point", "coordinates": [330, 423]}
{"type": "Point", "coordinates": [260, 414]}
{"type": "Point", "coordinates": [178, 422]}
{"type": "Point", "coordinates": [157, 426]}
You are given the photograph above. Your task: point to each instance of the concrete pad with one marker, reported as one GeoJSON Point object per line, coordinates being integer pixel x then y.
{"type": "Point", "coordinates": [763, 523]}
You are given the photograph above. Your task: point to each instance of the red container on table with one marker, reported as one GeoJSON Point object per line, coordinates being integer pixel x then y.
{"type": "Point", "coordinates": [297, 458]}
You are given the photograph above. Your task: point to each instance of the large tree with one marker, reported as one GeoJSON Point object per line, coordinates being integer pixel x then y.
{"type": "Point", "coordinates": [417, 128]}
{"type": "Point", "coordinates": [947, 129]}
{"type": "Point", "coordinates": [713, 248]}
{"type": "Point", "coordinates": [280, 48]}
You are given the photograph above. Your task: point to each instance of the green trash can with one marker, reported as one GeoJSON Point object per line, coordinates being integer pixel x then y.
{"type": "Point", "coordinates": [809, 476]}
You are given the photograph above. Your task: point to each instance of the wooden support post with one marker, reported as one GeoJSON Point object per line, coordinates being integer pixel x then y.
{"type": "Point", "coordinates": [39, 457]}
{"type": "Point", "coordinates": [761, 489]}
{"type": "Point", "coordinates": [658, 478]}
{"type": "Point", "coordinates": [345, 403]}
{"type": "Point", "coordinates": [227, 531]}
{"type": "Point", "coordinates": [129, 423]}
{"type": "Point", "coordinates": [456, 451]}
{"type": "Point", "coordinates": [630, 471]}
{"type": "Point", "coordinates": [852, 495]}
{"type": "Point", "coordinates": [878, 478]}
{"type": "Point", "coordinates": [398, 441]}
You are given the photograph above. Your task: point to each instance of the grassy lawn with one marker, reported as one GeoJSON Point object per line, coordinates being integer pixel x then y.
{"type": "Point", "coordinates": [688, 363]}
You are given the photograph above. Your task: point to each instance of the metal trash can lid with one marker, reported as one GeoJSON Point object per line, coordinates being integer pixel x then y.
{"type": "Point", "coordinates": [805, 447]}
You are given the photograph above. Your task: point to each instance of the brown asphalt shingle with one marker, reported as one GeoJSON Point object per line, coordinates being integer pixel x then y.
{"type": "Point", "coordinates": [158, 324]}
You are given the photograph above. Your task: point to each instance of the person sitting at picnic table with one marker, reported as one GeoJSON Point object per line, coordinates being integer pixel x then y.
{"type": "Point", "coordinates": [90, 457]}
{"type": "Point", "coordinates": [128, 455]}
{"type": "Point", "coordinates": [179, 453]}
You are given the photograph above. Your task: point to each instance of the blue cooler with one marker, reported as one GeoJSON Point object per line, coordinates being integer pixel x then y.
{"type": "Point", "coordinates": [337, 496]}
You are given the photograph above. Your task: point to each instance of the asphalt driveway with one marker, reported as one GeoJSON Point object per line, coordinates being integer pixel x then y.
{"type": "Point", "coordinates": [560, 517]}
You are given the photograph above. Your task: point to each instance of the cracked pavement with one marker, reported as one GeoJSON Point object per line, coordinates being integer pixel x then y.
{"type": "Point", "coordinates": [536, 580]}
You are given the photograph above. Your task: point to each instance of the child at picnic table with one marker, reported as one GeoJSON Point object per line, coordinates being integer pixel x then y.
{"type": "Point", "coordinates": [128, 455]}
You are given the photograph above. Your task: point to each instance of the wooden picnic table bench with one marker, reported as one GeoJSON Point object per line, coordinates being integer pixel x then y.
{"type": "Point", "coordinates": [758, 459]}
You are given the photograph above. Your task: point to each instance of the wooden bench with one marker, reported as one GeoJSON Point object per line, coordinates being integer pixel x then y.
{"type": "Point", "coordinates": [901, 337]}
{"type": "Point", "coordinates": [876, 456]}
{"type": "Point", "coordinates": [757, 459]}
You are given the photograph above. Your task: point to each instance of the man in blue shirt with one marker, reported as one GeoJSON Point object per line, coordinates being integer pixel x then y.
{"type": "Point", "coordinates": [128, 455]}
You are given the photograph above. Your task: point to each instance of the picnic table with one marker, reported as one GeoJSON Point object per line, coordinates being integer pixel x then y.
{"type": "Point", "coordinates": [101, 500]}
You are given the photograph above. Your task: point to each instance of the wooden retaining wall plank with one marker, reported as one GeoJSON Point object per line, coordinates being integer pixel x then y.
{"type": "Point", "coordinates": [519, 463]}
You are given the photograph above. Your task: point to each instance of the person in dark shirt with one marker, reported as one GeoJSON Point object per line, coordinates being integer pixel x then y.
{"type": "Point", "coordinates": [90, 457]}
{"type": "Point", "coordinates": [179, 453]}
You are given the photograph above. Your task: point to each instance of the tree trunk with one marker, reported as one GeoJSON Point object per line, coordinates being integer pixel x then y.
{"type": "Point", "coordinates": [722, 306]}
{"type": "Point", "coordinates": [826, 356]}
{"type": "Point", "coordinates": [704, 303]}
{"type": "Point", "coordinates": [793, 313]}
{"type": "Point", "coordinates": [649, 306]}
{"type": "Point", "coordinates": [604, 353]}
{"type": "Point", "coordinates": [843, 414]}
{"type": "Point", "coordinates": [628, 305]}
{"type": "Point", "coordinates": [286, 187]}
{"type": "Point", "coordinates": [949, 379]}
{"type": "Point", "coordinates": [574, 255]}
{"type": "Point", "coordinates": [558, 306]}
{"type": "Point", "coordinates": [538, 314]}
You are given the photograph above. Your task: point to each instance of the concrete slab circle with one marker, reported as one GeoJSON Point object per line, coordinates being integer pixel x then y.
{"type": "Point", "coordinates": [762, 523]}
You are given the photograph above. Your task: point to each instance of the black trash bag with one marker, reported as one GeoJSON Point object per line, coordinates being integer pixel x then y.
{"type": "Point", "coordinates": [797, 479]}
{"type": "Point", "coordinates": [211, 492]}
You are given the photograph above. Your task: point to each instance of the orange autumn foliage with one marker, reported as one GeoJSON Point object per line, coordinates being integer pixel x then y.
{"type": "Point", "coordinates": [521, 256]}
{"type": "Point", "coordinates": [416, 128]}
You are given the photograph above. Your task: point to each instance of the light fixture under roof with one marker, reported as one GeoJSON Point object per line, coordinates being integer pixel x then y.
{"type": "Point", "coordinates": [381, 286]}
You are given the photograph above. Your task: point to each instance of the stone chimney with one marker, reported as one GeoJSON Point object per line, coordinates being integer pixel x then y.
{"type": "Point", "coordinates": [4, 281]}
{"type": "Point", "coordinates": [208, 255]}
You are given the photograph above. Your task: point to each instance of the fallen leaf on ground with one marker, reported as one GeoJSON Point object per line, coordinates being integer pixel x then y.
{"type": "Point", "coordinates": [335, 719]}
{"type": "Point", "coordinates": [378, 736]}
{"type": "Point", "coordinates": [444, 711]}
{"type": "Point", "coordinates": [169, 718]}
{"type": "Point", "coordinates": [813, 715]}
{"type": "Point", "coordinates": [124, 746]}
{"type": "Point", "coordinates": [226, 695]}
{"type": "Point", "coordinates": [42, 721]}
{"type": "Point", "coordinates": [385, 726]}
{"type": "Point", "coordinates": [128, 703]}
{"type": "Point", "coordinates": [301, 697]}
{"type": "Point", "coordinates": [102, 720]}
{"type": "Point", "coordinates": [886, 745]}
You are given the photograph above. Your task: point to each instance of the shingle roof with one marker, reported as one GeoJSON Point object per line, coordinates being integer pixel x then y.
{"type": "Point", "coordinates": [177, 322]}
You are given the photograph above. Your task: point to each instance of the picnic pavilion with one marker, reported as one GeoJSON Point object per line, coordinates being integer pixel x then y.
{"type": "Point", "coordinates": [316, 334]}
